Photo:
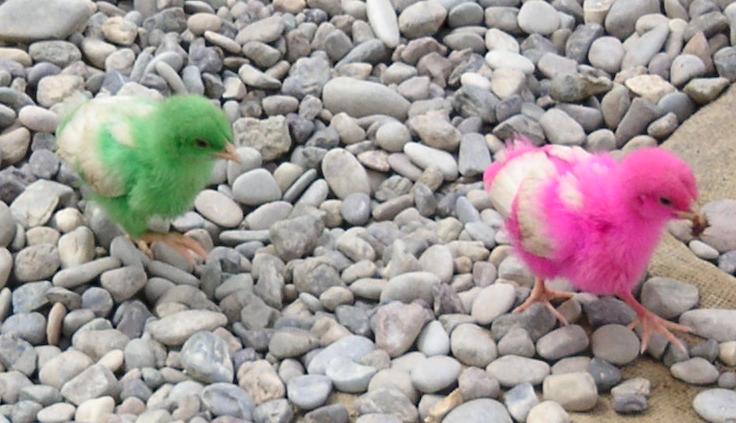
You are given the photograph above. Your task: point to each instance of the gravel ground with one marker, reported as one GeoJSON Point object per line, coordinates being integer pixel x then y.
{"type": "Point", "coordinates": [357, 271]}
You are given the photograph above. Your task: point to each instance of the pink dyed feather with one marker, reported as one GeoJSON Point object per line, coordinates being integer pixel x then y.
{"type": "Point", "coordinates": [603, 245]}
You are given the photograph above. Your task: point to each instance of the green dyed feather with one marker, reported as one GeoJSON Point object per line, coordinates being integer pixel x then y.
{"type": "Point", "coordinates": [142, 157]}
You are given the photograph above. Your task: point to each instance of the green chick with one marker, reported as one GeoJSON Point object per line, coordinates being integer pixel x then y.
{"type": "Point", "coordinates": [142, 157]}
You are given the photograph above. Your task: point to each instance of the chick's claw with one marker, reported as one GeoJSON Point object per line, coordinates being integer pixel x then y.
{"type": "Point", "coordinates": [183, 245]}
{"type": "Point", "coordinates": [651, 323]}
{"type": "Point", "coordinates": [541, 294]}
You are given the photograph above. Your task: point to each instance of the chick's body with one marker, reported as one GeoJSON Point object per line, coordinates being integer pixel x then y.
{"type": "Point", "coordinates": [142, 157]}
{"type": "Point", "coordinates": [589, 218]}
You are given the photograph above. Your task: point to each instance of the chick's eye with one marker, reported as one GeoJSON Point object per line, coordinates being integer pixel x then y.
{"type": "Point", "coordinates": [665, 202]}
{"type": "Point", "coordinates": [202, 143]}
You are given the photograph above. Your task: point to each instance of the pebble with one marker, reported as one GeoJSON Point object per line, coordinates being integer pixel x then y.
{"type": "Point", "coordinates": [352, 347]}
{"type": "Point", "coordinates": [717, 324]}
{"type": "Point", "coordinates": [573, 391]}
{"type": "Point", "coordinates": [473, 345]}
{"type": "Point", "coordinates": [548, 412]}
{"type": "Point", "coordinates": [348, 376]}
{"type": "Point", "coordinates": [252, 188]}
{"type": "Point", "coordinates": [206, 358]}
{"type": "Point", "coordinates": [493, 301]}
{"type": "Point", "coordinates": [426, 157]}
{"type": "Point", "coordinates": [562, 342]}
{"type": "Point", "coordinates": [615, 344]}
{"type": "Point", "coordinates": [695, 371]}
{"type": "Point", "coordinates": [511, 370]}
{"type": "Point", "coordinates": [520, 400]}
{"type": "Point", "coordinates": [538, 17]}
{"type": "Point", "coordinates": [218, 208]}
{"type": "Point", "coordinates": [225, 399]}
{"type": "Point", "coordinates": [478, 411]}
{"type": "Point", "coordinates": [382, 17]}
{"type": "Point", "coordinates": [668, 298]}
{"type": "Point", "coordinates": [422, 18]}
{"type": "Point", "coordinates": [344, 173]}
{"type": "Point", "coordinates": [433, 340]}
{"type": "Point", "coordinates": [309, 391]}
{"type": "Point", "coordinates": [606, 53]}
{"type": "Point", "coordinates": [175, 329]}
{"type": "Point", "coordinates": [362, 98]}
{"type": "Point", "coordinates": [716, 404]}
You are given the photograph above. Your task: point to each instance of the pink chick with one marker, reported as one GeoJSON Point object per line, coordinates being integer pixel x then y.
{"type": "Point", "coordinates": [591, 219]}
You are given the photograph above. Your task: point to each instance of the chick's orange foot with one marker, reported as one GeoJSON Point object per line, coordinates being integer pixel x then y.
{"type": "Point", "coordinates": [541, 294]}
{"type": "Point", "coordinates": [183, 245]}
{"type": "Point", "coordinates": [651, 323]}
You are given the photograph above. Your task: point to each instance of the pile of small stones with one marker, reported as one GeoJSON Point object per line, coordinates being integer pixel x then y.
{"type": "Point", "coordinates": [357, 270]}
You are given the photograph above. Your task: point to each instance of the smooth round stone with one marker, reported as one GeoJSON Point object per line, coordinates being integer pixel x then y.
{"type": "Point", "coordinates": [309, 391]}
{"type": "Point", "coordinates": [547, 412]}
{"type": "Point", "coordinates": [573, 391]}
{"type": "Point", "coordinates": [438, 260]}
{"type": "Point", "coordinates": [519, 401]}
{"type": "Point", "coordinates": [539, 17]}
{"type": "Point", "coordinates": [409, 286]}
{"type": "Point", "coordinates": [465, 14]}
{"type": "Point", "coordinates": [565, 341]}
{"type": "Point", "coordinates": [198, 23]}
{"type": "Point", "coordinates": [511, 370]}
{"type": "Point", "coordinates": [433, 340]}
{"type": "Point", "coordinates": [256, 187]}
{"type": "Point", "coordinates": [498, 59]}
{"type": "Point", "coordinates": [394, 378]}
{"type": "Point", "coordinates": [353, 347]}
{"type": "Point", "coordinates": [716, 405]}
{"type": "Point", "coordinates": [268, 214]}
{"type": "Point", "coordinates": [473, 345]}
{"type": "Point", "coordinates": [499, 40]}
{"type": "Point", "coordinates": [383, 20]}
{"type": "Point", "coordinates": [482, 410]}
{"type": "Point", "coordinates": [668, 298]}
{"type": "Point", "coordinates": [96, 409]}
{"type": "Point", "coordinates": [38, 119]}
{"type": "Point", "coordinates": [291, 342]}
{"type": "Point", "coordinates": [516, 342]}
{"type": "Point", "coordinates": [422, 18]}
{"type": "Point", "coordinates": [56, 413]}
{"type": "Point", "coordinates": [615, 343]}
{"type": "Point", "coordinates": [606, 53]}
{"type": "Point", "coordinates": [477, 383]}
{"type": "Point", "coordinates": [356, 208]}
{"type": "Point", "coordinates": [686, 67]}
{"type": "Point", "coordinates": [344, 173]}
{"type": "Point", "coordinates": [206, 358]}
{"type": "Point", "coordinates": [703, 250]}
{"type": "Point", "coordinates": [349, 376]}
{"type": "Point", "coordinates": [561, 129]}
{"type": "Point", "coordinates": [493, 301]}
{"type": "Point", "coordinates": [221, 399]}
{"type": "Point", "coordinates": [363, 98]}
{"type": "Point", "coordinates": [218, 208]}
{"type": "Point", "coordinates": [36, 263]}
{"type": "Point", "coordinates": [426, 157]}
{"type": "Point", "coordinates": [695, 371]}
{"type": "Point", "coordinates": [392, 135]}
{"type": "Point", "coordinates": [435, 373]}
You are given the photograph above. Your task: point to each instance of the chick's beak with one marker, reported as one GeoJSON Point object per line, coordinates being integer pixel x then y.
{"type": "Point", "coordinates": [698, 220]}
{"type": "Point", "coordinates": [230, 153]}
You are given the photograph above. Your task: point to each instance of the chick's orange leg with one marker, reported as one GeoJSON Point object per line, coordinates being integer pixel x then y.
{"type": "Point", "coordinates": [185, 246]}
{"type": "Point", "coordinates": [651, 323]}
{"type": "Point", "coordinates": [541, 294]}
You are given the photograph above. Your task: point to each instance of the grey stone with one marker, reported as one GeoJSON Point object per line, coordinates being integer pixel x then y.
{"type": "Point", "coordinates": [309, 391]}
{"type": "Point", "coordinates": [478, 411]}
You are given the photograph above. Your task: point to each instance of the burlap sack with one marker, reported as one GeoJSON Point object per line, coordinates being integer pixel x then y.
{"type": "Point", "coordinates": [707, 141]}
